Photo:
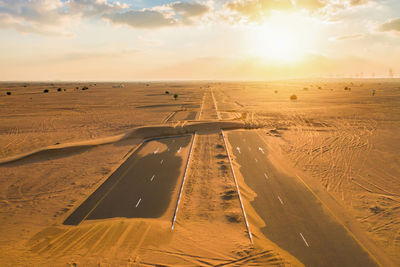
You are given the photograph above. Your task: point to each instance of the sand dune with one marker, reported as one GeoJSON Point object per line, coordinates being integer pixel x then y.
{"type": "Point", "coordinates": [144, 132]}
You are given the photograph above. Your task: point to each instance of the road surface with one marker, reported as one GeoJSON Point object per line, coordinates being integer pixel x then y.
{"type": "Point", "coordinates": [142, 187]}
{"type": "Point", "coordinates": [295, 220]}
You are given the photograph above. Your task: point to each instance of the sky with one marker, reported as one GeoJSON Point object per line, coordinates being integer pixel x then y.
{"type": "Point", "coordinates": [129, 40]}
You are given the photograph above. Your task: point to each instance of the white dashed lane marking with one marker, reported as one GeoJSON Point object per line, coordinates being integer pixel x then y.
{"type": "Point", "coordinates": [162, 161]}
{"type": "Point", "coordinates": [137, 204]}
{"type": "Point", "coordinates": [256, 159]}
{"type": "Point", "coordinates": [179, 150]}
{"type": "Point", "coordinates": [152, 177]}
{"type": "Point", "coordinates": [266, 177]}
{"type": "Point", "coordinates": [262, 151]}
{"type": "Point", "coordinates": [238, 149]}
{"type": "Point", "coordinates": [305, 241]}
{"type": "Point", "coordinates": [280, 200]}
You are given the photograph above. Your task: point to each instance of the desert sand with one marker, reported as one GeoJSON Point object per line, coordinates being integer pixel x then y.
{"type": "Point", "coordinates": [56, 148]}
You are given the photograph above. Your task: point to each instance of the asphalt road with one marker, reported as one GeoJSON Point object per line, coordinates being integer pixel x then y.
{"type": "Point", "coordinates": [295, 220]}
{"type": "Point", "coordinates": [142, 187]}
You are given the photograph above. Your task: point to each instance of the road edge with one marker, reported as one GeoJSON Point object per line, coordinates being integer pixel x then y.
{"type": "Point", "coordinates": [183, 183]}
{"type": "Point", "coordinates": [238, 190]}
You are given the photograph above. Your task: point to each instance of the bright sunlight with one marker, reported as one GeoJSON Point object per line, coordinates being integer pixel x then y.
{"type": "Point", "coordinates": [283, 38]}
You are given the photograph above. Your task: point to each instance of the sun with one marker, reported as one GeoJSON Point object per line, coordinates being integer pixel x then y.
{"type": "Point", "coordinates": [283, 38]}
{"type": "Point", "coordinates": [277, 44]}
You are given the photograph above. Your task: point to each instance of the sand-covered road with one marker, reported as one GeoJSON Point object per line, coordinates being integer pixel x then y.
{"type": "Point", "coordinates": [295, 220]}
{"type": "Point", "coordinates": [144, 186]}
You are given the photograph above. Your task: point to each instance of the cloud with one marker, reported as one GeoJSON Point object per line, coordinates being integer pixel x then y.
{"type": "Point", "coordinates": [40, 16]}
{"type": "Point", "coordinates": [142, 19]}
{"type": "Point", "coordinates": [49, 17]}
{"type": "Point", "coordinates": [259, 10]}
{"type": "Point", "coordinates": [359, 2]}
{"type": "Point", "coordinates": [93, 7]}
{"type": "Point", "coordinates": [53, 17]}
{"type": "Point", "coordinates": [256, 10]}
{"type": "Point", "coordinates": [391, 25]}
{"type": "Point", "coordinates": [188, 9]}
{"type": "Point", "coordinates": [188, 12]}
{"type": "Point", "coordinates": [174, 14]}
{"type": "Point", "coordinates": [347, 37]}
{"type": "Point", "coordinates": [40, 11]}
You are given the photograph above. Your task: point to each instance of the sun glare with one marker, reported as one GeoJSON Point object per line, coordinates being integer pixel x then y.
{"type": "Point", "coordinates": [284, 38]}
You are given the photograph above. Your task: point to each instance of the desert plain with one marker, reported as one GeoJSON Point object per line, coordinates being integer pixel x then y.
{"type": "Point", "coordinates": [338, 145]}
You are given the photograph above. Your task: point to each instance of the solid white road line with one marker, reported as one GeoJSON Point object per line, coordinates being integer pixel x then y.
{"type": "Point", "coordinates": [238, 149]}
{"type": "Point", "coordinates": [183, 182]}
{"type": "Point", "coordinates": [162, 161]}
{"type": "Point", "coordinates": [152, 177]}
{"type": "Point", "coordinates": [280, 200]}
{"type": "Point", "coordinates": [237, 189]}
{"type": "Point", "coordinates": [262, 151]}
{"type": "Point", "coordinates": [305, 241]}
{"type": "Point", "coordinates": [266, 177]}
{"type": "Point", "coordinates": [137, 204]}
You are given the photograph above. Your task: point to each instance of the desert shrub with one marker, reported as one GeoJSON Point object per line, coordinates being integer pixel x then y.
{"type": "Point", "coordinates": [45, 90]}
{"type": "Point", "coordinates": [234, 218]}
{"type": "Point", "coordinates": [8, 93]}
{"type": "Point", "coordinates": [76, 88]}
{"type": "Point", "coordinates": [85, 88]}
{"type": "Point", "coordinates": [59, 90]}
{"type": "Point", "coordinates": [347, 88]}
{"type": "Point", "coordinates": [175, 96]}
{"type": "Point", "coordinates": [319, 87]}
{"type": "Point", "coordinates": [276, 91]}
{"type": "Point", "coordinates": [376, 209]}
{"type": "Point", "coordinates": [167, 92]}
{"type": "Point", "coordinates": [293, 97]}
{"type": "Point", "coordinates": [305, 89]}
{"type": "Point", "coordinates": [65, 90]}
{"type": "Point", "coordinates": [25, 85]}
